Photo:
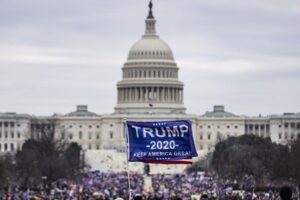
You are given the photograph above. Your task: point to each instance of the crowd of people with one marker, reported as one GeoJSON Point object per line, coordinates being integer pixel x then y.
{"type": "Point", "coordinates": [115, 186]}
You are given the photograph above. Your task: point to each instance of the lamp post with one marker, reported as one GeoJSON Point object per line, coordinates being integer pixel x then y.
{"type": "Point", "coordinates": [82, 156]}
{"type": "Point", "coordinates": [44, 178]}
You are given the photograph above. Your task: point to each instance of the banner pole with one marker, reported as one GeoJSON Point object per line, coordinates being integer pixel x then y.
{"type": "Point", "coordinates": [127, 145]}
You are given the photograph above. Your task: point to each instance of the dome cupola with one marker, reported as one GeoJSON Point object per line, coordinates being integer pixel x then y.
{"type": "Point", "coordinates": [150, 46]}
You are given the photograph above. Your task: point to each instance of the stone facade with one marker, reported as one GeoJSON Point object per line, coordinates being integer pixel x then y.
{"type": "Point", "coordinates": [106, 132]}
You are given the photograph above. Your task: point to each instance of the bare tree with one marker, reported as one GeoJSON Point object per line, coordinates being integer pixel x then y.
{"type": "Point", "coordinates": [46, 155]}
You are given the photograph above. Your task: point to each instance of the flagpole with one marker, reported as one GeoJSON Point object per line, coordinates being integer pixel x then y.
{"type": "Point", "coordinates": [127, 145]}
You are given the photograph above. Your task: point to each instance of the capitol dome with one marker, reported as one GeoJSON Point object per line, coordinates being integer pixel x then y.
{"type": "Point", "coordinates": [150, 48]}
{"type": "Point", "coordinates": [150, 77]}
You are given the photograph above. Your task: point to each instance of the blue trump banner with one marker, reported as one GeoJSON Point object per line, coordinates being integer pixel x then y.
{"type": "Point", "coordinates": [160, 142]}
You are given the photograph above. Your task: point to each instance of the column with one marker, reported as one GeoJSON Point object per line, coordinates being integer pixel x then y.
{"type": "Point", "coordinates": [166, 94]}
{"type": "Point", "coordinates": [2, 129]}
{"type": "Point", "coordinates": [180, 98]}
{"type": "Point", "coordinates": [8, 133]}
{"type": "Point", "coordinates": [174, 94]}
{"type": "Point", "coordinates": [289, 131]}
{"type": "Point", "coordinates": [118, 95]}
{"type": "Point", "coordinates": [136, 94]}
{"type": "Point", "coordinates": [132, 94]}
{"type": "Point", "coordinates": [265, 132]}
{"type": "Point", "coordinates": [141, 94]}
{"type": "Point", "coordinates": [158, 94]}
{"type": "Point", "coordinates": [248, 128]}
{"type": "Point", "coordinates": [125, 95]}
{"type": "Point", "coordinates": [146, 94]}
{"type": "Point", "coordinates": [169, 94]}
{"type": "Point", "coordinates": [128, 94]}
{"type": "Point", "coordinates": [152, 92]}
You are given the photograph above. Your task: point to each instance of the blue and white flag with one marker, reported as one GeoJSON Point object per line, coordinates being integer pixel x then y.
{"type": "Point", "coordinates": [160, 142]}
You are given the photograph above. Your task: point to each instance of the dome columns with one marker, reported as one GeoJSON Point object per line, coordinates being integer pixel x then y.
{"type": "Point", "coordinates": [152, 94]}
{"type": "Point", "coordinates": [150, 73]}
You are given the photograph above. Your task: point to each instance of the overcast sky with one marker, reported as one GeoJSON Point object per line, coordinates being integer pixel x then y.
{"type": "Point", "coordinates": [241, 54]}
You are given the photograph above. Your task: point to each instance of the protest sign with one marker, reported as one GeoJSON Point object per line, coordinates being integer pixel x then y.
{"type": "Point", "coordinates": [160, 142]}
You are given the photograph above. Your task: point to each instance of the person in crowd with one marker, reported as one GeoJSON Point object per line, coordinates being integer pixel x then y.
{"type": "Point", "coordinates": [138, 197]}
{"type": "Point", "coordinates": [114, 186]}
{"type": "Point", "coordinates": [286, 193]}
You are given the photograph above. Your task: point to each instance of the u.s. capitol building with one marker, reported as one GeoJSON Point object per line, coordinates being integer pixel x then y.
{"type": "Point", "coordinates": [150, 90]}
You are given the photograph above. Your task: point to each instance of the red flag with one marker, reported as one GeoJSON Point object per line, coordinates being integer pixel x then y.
{"type": "Point", "coordinates": [170, 162]}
